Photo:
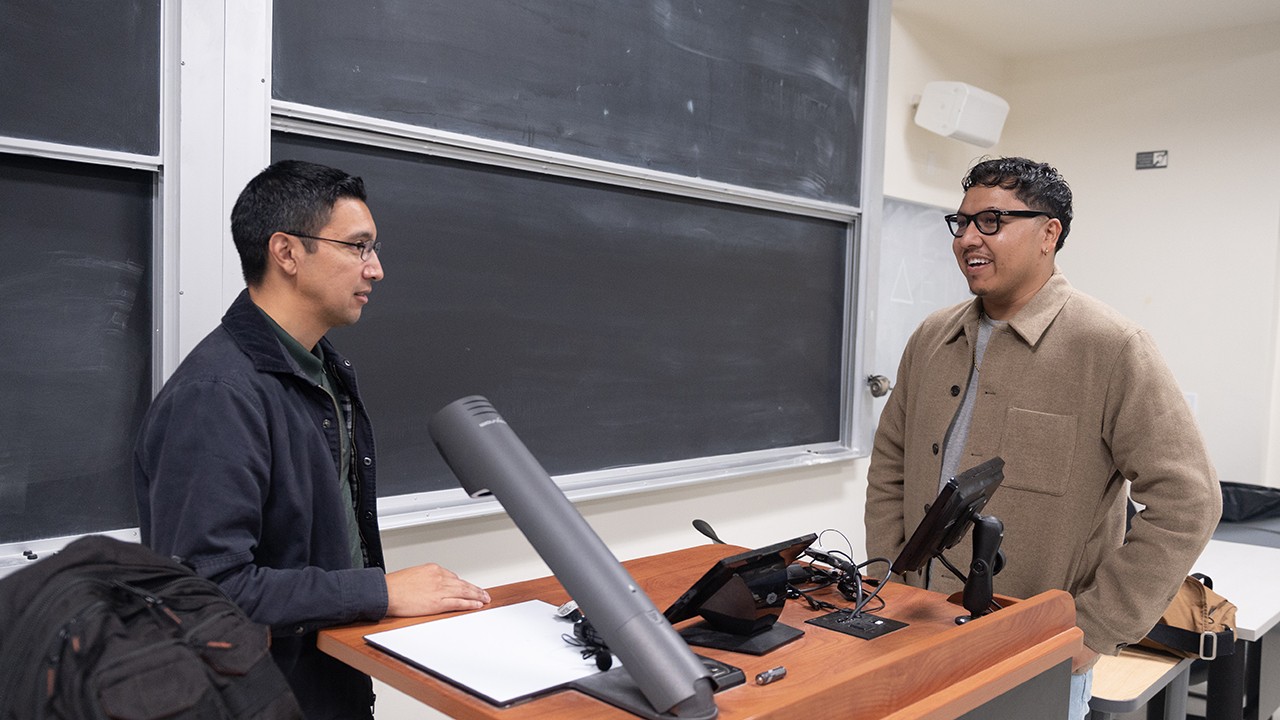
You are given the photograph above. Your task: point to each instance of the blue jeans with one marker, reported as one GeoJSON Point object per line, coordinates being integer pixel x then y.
{"type": "Point", "coordinates": [1081, 692]}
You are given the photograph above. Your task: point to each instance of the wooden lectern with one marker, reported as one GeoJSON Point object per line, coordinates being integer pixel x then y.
{"type": "Point", "coordinates": [1012, 663]}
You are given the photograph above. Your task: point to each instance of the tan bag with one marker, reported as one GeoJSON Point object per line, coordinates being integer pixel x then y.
{"type": "Point", "coordinates": [1199, 623]}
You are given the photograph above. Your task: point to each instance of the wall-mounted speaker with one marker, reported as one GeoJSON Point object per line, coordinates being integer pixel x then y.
{"type": "Point", "coordinates": [961, 111]}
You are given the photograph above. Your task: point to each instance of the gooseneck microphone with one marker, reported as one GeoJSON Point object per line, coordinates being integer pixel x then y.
{"type": "Point", "coordinates": [704, 527]}
{"type": "Point", "coordinates": [487, 457]}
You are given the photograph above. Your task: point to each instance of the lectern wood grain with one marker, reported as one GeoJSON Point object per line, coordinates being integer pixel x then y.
{"type": "Point", "coordinates": [930, 669]}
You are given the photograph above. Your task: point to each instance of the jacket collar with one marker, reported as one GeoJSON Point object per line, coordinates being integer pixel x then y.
{"type": "Point", "coordinates": [1035, 317]}
{"type": "Point", "coordinates": [253, 334]}
{"type": "Point", "coordinates": [255, 338]}
{"type": "Point", "coordinates": [1032, 320]}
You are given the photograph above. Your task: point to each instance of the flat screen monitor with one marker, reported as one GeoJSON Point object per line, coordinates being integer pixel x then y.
{"type": "Point", "coordinates": [951, 515]}
{"type": "Point", "coordinates": [741, 597]}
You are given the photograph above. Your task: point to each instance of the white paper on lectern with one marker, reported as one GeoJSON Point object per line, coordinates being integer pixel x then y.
{"type": "Point", "coordinates": [503, 654]}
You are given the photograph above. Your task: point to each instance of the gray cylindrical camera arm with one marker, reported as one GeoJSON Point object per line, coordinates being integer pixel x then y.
{"type": "Point", "coordinates": [487, 458]}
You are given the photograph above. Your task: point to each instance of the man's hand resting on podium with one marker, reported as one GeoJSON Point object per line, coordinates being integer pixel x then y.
{"type": "Point", "coordinates": [428, 590]}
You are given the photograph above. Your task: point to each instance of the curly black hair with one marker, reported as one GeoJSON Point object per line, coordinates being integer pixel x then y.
{"type": "Point", "coordinates": [1040, 186]}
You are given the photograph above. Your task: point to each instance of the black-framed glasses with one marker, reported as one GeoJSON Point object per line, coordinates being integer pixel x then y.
{"type": "Point", "coordinates": [988, 221]}
{"type": "Point", "coordinates": [365, 247]}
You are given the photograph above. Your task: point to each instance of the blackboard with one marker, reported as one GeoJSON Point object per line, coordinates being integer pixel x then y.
{"type": "Point", "coordinates": [767, 95]}
{"type": "Point", "coordinates": [81, 73]}
{"type": "Point", "coordinates": [610, 326]}
{"type": "Point", "coordinates": [75, 374]}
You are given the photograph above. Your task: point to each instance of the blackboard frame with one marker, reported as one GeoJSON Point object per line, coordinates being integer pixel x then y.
{"type": "Point", "coordinates": [79, 341]}
{"type": "Point", "coordinates": [68, 62]}
{"type": "Point", "coordinates": [374, 128]}
{"type": "Point", "coordinates": [765, 95]}
{"type": "Point", "coordinates": [854, 438]}
{"type": "Point", "coordinates": [136, 51]}
{"type": "Point", "coordinates": [221, 119]}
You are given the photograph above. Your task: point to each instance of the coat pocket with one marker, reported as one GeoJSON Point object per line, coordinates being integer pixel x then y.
{"type": "Point", "coordinates": [1037, 449]}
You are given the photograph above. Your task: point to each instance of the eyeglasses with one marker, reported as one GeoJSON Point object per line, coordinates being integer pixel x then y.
{"type": "Point", "coordinates": [365, 248]}
{"type": "Point", "coordinates": [988, 221]}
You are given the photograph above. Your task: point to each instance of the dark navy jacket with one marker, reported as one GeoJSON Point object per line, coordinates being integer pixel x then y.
{"type": "Point", "coordinates": [236, 472]}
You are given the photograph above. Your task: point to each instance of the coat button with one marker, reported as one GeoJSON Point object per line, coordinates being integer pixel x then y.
{"type": "Point", "coordinates": [368, 461]}
{"type": "Point", "coordinates": [368, 515]}
{"type": "Point", "coordinates": [326, 423]}
{"type": "Point", "coordinates": [346, 363]}
{"type": "Point", "coordinates": [935, 448]}
{"type": "Point", "coordinates": [299, 630]}
{"type": "Point", "coordinates": [955, 390]}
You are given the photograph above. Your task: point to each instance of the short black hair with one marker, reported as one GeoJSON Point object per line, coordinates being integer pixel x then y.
{"type": "Point", "coordinates": [1039, 186]}
{"type": "Point", "coordinates": [288, 196]}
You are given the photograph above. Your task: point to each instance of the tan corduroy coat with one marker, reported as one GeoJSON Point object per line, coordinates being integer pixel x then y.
{"type": "Point", "coordinates": [1076, 399]}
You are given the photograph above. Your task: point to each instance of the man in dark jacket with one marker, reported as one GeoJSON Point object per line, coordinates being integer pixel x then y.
{"type": "Point", "coordinates": [255, 463]}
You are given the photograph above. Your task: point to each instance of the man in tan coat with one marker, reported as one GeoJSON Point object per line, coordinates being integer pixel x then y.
{"type": "Point", "coordinates": [1077, 401]}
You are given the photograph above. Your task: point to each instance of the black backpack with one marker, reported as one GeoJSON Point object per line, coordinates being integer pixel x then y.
{"type": "Point", "coordinates": [109, 629]}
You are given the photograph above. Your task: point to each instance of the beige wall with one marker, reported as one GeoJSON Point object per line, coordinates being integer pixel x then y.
{"type": "Point", "coordinates": [1189, 252]}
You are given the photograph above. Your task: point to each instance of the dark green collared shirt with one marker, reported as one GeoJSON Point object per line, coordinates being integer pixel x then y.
{"type": "Point", "coordinates": [312, 364]}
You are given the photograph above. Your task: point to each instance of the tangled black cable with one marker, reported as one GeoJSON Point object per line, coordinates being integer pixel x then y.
{"type": "Point", "coordinates": [851, 587]}
{"type": "Point", "coordinates": [592, 644]}
{"type": "Point", "coordinates": [845, 574]}
{"type": "Point", "coordinates": [820, 578]}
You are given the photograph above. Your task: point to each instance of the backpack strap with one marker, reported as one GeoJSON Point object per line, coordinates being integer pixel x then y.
{"type": "Point", "coordinates": [1207, 645]}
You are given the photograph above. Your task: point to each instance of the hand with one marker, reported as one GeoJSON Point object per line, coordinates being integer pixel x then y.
{"type": "Point", "coordinates": [1083, 659]}
{"type": "Point", "coordinates": [428, 590]}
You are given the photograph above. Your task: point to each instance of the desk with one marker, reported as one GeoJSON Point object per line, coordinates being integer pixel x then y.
{"type": "Point", "coordinates": [1246, 575]}
{"type": "Point", "coordinates": [1124, 683]}
{"type": "Point", "coordinates": [930, 669]}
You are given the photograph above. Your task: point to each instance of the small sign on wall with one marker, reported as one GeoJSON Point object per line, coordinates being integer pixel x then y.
{"type": "Point", "coordinates": [1153, 159]}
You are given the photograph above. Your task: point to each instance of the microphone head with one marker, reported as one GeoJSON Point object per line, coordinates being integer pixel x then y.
{"type": "Point", "coordinates": [703, 527]}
